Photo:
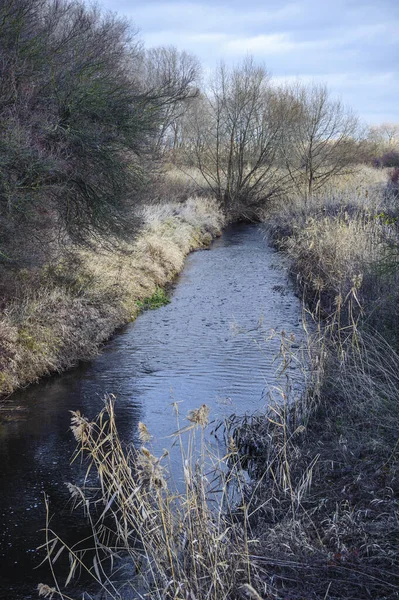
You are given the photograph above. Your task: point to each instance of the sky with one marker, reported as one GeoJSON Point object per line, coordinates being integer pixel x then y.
{"type": "Point", "coordinates": [351, 45]}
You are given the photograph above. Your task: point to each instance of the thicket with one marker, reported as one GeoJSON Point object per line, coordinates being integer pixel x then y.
{"type": "Point", "coordinates": [389, 159]}
{"type": "Point", "coordinates": [82, 107]}
{"type": "Point", "coordinates": [326, 469]}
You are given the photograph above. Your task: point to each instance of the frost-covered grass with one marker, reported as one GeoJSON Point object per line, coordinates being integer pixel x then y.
{"type": "Point", "coordinates": [62, 313]}
{"type": "Point", "coordinates": [339, 539]}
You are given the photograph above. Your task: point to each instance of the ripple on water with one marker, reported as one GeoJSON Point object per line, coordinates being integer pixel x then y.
{"type": "Point", "coordinates": [209, 345]}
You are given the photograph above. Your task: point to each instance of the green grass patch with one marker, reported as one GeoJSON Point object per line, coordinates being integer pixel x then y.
{"type": "Point", "coordinates": [159, 298]}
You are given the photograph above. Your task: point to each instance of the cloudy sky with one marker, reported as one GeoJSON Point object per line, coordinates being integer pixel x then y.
{"type": "Point", "coordinates": [352, 45]}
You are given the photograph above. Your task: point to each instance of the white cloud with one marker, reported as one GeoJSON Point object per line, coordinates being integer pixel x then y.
{"type": "Point", "coordinates": [184, 40]}
{"type": "Point", "coordinates": [352, 79]}
{"type": "Point", "coordinates": [207, 17]}
{"type": "Point", "coordinates": [275, 43]}
{"type": "Point", "coordinates": [352, 45]}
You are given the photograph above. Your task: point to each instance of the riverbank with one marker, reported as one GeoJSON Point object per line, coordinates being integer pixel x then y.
{"type": "Point", "coordinates": [202, 347]}
{"type": "Point", "coordinates": [326, 492]}
{"type": "Point", "coordinates": [62, 313]}
{"type": "Point", "coordinates": [320, 516]}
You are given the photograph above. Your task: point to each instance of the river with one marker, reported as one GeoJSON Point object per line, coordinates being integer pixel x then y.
{"type": "Point", "coordinates": [210, 345]}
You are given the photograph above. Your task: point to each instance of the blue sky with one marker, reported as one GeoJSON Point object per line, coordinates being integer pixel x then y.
{"type": "Point", "coordinates": [352, 45]}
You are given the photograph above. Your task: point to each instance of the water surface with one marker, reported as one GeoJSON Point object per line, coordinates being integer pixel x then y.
{"type": "Point", "coordinates": [209, 345]}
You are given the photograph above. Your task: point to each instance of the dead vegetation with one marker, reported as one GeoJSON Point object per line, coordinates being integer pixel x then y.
{"type": "Point", "coordinates": [319, 517]}
{"type": "Point", "coordinates": [188, 541]}
{"type": "Point", "coordinates": [326, 479]}
{"type": "Point", "coordinates": [326, 471]}
{"type": "Point", "coordinates": [61, 313]}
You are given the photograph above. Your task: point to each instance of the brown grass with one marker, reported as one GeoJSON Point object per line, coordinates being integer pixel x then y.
{"type": "Point", "coordinates": [326, 471]}
{"type": "Point", "coordinates": [181, 544]}
{"type": "Point", "coordinates": [62, 313]}
{"type": "Point", "coordinates": [320, 519]}
{"type": "Point", "coordinates": [342, 247]}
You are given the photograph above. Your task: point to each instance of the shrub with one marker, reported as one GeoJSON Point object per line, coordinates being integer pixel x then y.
{"type": "Point", "coordinates": [77, 117]}
{"type": "Point", "coordinates": [389, 159]}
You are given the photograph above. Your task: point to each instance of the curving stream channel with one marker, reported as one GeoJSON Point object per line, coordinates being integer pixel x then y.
{"type": "Point", "coordinates": [206, 346]}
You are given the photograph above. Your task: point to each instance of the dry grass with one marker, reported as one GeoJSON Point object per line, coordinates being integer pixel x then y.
{"type": "Point", "coordinates": [326, 471]}
{"type": "Point", "coordinates": [319, 518]}
{"type": "Point", "coordinates": [325, 497]}
{"type": "Point", "coordinates": [363, 190]}
{"type": "Point", "coordinates": [359, 181]}
{"type": "Point", "coordinates": [192, 543]}
{"type": "Point", "coordinates": [343, 249]}
{"type": "Point", "coordinates": [175, 184]}
{"type": "Point", "coordinates": [62, 313]}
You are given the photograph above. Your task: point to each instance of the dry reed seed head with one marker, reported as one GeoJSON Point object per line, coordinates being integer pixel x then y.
{"type": "Point", "coordinates": [80, 427]}
{"type": "Point", "coordinates": [149, 470]}
{"type": "Point", "coordinates": [144, 434]}
{"type": "Point", "coordinates": [318, 283]}
{"type": "Point", "coordinates": [199, 416]}
{"type": "Point", "coordinates": [74, 490]}
{"type": "Point", "coordinates": [338, 301]}
{"type": "Point", "coordinates": [250, 592]}
{"type": "Point", "coordinates": [46, 591]}
{"type": "Point", "coordinates": [357, 281]}
{"type": "Point", "coordinates": [300, 429]}
{"type": "Point", "coordinates": [232, 446]}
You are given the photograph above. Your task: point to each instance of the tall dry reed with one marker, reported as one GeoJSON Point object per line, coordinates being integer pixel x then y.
{"type": "Point", "coordinates": [327, 512]}
{"type": "Point", "coordinates": [192, 541]}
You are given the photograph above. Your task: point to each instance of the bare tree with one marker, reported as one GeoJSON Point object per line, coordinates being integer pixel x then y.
{"type": "Point", "coordinates": [384, 136]}
{"type": "Point", "coordinates": [235, 131]}
{"type": "Point", "coordinates": [319, 138]}
{"type": "Point", "coordinates": [171, 78]}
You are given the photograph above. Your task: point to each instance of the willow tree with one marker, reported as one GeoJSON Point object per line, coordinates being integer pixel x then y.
{"type": "Point", "coordinates": [234, 134]}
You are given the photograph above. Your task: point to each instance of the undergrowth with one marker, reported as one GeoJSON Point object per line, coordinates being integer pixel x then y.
{"type": "Point", "coordinates": [326, 478]}
{"type": "Point", "coordinates": [328, 519]}
{"type": "Point", "coordinates": [318, 518]}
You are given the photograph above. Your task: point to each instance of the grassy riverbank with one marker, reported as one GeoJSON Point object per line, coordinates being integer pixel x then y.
{"type": "Point", "coordinates": [61, 313]}
{"type": "Point", "coordinates": [327, 470]}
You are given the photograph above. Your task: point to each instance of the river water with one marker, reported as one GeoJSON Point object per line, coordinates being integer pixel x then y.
{"type": "Point", "coordinates": [211, 345]}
